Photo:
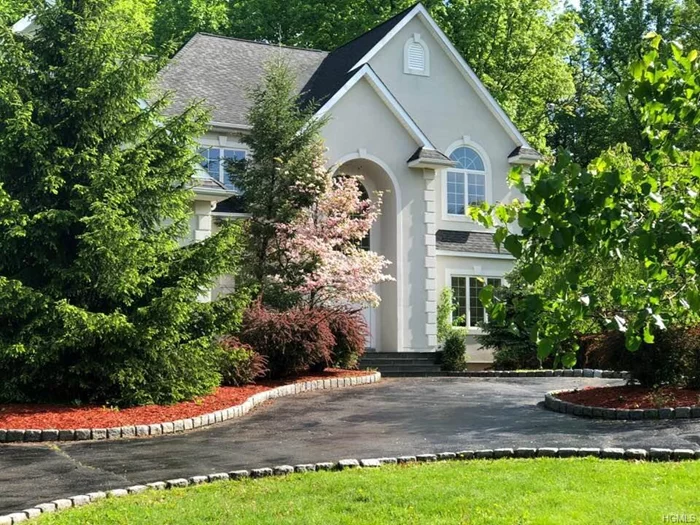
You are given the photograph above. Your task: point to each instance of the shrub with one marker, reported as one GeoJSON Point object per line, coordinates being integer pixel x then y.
{"type": "Point", "coordinates": [350, 332]}
{"type": "Point", "coordinates": [293, 341]}
{"type": "Point", "coordinates": [445, 308]}
{"type": "Point", "coordinates": [454, 351]}
{"type": "Point", "coordinates": [239, 364]}
{"type": "Point", "coordinates": [673, 358]}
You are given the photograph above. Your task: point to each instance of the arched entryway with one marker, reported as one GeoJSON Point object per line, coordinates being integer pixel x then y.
{"type": "Point", "coordinates": [384, 322]}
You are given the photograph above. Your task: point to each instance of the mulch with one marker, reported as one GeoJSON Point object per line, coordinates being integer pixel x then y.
{"type": "Point", "coordinates": [67, 417]}
{"type": "Point", "coordinates": [631, 397]}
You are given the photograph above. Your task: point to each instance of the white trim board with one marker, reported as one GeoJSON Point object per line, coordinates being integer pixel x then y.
{"type": "Point", "coordinates": [461, 64]}
{"type": "Point", "coordinates": [380, 88]}
{"type": "Point", "coordinates": [475, 255]}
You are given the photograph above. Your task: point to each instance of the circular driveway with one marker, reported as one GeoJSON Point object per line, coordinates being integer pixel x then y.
{"type": "Point", "coordinates": [393, 417]}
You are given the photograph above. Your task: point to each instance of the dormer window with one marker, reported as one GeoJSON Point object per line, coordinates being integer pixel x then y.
{"type": "Point", "coordinates": [416, 60]}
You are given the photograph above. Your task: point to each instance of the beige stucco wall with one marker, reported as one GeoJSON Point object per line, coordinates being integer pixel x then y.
{"type": "Point", "coordinates": [362, 125]}
{"type": "Point", "coordinates": [446, 108]}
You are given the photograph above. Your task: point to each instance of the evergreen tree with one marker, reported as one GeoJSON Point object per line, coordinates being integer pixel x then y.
{"type": "Point", "coordinates": [285, 174]}
{"type": "Point", "coordinates": [98, 298]}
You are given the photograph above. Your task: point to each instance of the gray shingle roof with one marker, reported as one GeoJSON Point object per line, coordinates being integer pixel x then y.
{"type": "Point", "coordinates": [221, 71]}
{"type": "Point", "coordinates": [473, 242]}
{"type": "Point", "coordinates": [430, 154]}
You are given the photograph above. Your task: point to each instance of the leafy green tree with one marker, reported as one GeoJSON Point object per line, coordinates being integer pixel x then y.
{"type": "Point", "coordinates": [518, 48]}
{"type": "Point", "coordinates": [176, 21]}
{"type": "Point", "coordinates": [98, 298]}
{"type": "Point", "coordinates": [285, 174]}
{"type": "Point", "coordinates": [13, 10]}
{"type": "Point", "coordinates": [643, 211]}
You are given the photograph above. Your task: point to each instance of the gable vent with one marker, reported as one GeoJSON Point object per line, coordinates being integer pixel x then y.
{"type": "Point", "coordinates": [416, 56]}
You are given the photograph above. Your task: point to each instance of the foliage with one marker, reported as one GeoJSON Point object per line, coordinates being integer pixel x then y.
{"type": "Point", "coordinates": [284, 174]}
{"type": "Point", "coordinates": [13, 10]}
{"type": "Point", "coordinates": [99, 300]}
{"type": "Point", "coordinates": [518, 49]}
{"type": "Point", "coordinates": [445, 309]}
{"type": "Point", "coordinates": [176, 21]}
{"type": "Point", "coordinates": [509, 337]}
{"type": "Point", "coordinates": [639, 211]}
{"type": "Point", "coordinates": [453, 356]}
{"type": "Point", "coordinates": [292, 340]}
{"type": "Point", "coordinates": [239, 364]}
{"type": "Point", "coordinates": [673, 358]}
{"type": "Point", "coordinates": [323, 243]}
{"type": "Point", "coordinates": [350, 332]}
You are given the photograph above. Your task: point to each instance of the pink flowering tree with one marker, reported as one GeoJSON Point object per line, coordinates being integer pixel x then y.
{"type": "Point", "coordinates": [324, 243]}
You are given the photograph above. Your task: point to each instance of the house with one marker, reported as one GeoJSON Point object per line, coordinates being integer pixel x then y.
{"type": "Point", "coordinates": [409, 115]}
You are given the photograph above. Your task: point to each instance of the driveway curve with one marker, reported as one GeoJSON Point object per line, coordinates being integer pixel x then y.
{"type": "Point", "coordinates": [393, 417]}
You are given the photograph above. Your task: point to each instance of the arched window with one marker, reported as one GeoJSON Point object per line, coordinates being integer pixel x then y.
{"type": "Point", "coordinates": [466, 182]}
{"type": "Point", "coordinates": [416, 60]}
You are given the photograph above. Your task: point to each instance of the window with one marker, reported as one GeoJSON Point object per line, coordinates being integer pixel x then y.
{"type": "Point", "coordinates": [466, 182]}
{"type": "Point", "coordinates": [215, 165]}
{"type": "Point", "coordinates": [468, 310]}
{"type": "Point", "coordinates": [416, 60]}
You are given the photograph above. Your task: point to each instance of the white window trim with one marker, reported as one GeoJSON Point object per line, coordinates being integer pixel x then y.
{"type": "Point", "coordinates": [488, 177]}
{"type": "Point", "coordinates": [425, 72]}
{"type": "Point", "coordinates": [222, 143]}
{"type": "Point", "coordinates": [475, 272]}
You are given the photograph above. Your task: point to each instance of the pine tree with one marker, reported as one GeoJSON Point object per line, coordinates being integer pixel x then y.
{"type": "Point", "coordinates": [286, 174]}
{"type": "Point", "coordinates": [98, 299]}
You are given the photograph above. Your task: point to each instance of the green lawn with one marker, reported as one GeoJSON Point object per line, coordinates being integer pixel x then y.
{"type": "Point", "coordinates": [500, 492]}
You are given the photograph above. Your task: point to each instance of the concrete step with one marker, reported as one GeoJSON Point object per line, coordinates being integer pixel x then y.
{"type": "Point", "coordinates": [395, 362]}
{"type": "Point", "coordinates": [399, 355]}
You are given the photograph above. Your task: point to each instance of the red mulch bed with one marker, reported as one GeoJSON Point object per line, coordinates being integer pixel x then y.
{"type": "Point", "coordinates": [66, 417]}
{"type": "Point", "coordinates": [631, 397]}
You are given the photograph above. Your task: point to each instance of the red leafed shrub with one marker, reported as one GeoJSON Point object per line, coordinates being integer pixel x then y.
{"type": "Point", "coordinates": [350, 332]}
{"type": "Point", "coordinates": [239, 364]}
{"type": "Point", "coordinates": [293, 341]}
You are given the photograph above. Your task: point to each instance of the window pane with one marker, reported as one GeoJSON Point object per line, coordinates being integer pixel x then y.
{"type": "Point", "coordinates": [493, 282]}
{"type": "Point", "coordinates": [230, 154]}
{"type": "Point", "coordinates": [455, 193]}
{"type": "Point", "coordinates": [476, 189]}
{"type": "Point", "coordinates": [468, 159]}
{"type": "Point", "coordinates": [476, 309]}
{"type": "Point", "coordinates": [459, 297]}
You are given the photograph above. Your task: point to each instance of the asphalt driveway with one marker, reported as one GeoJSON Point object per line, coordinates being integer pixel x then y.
{"type": "Point", "coordinates": [394, 417]}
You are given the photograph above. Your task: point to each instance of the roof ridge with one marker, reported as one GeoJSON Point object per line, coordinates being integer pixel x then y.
{"type": "Point", "coordinates": [258, 42]}
{"type": "Point", "coordinates": [400, 14]}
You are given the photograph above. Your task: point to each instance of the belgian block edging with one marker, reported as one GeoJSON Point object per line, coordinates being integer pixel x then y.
{"type": "Point", "coordinates": [631, 454]}
{"type": "Point", "coordinates": [570, 372]}
{"type": "Point", "coordinates": [183, 425]}
{"type": "Point", "coordinates": [552, 402]}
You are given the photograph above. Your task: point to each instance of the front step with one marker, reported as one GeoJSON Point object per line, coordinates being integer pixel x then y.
{"type": "Point", "coordinates": [408, 364]}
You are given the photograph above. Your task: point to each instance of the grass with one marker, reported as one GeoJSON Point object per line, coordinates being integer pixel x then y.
{"type": "Point", "coordinates": [539, 491]}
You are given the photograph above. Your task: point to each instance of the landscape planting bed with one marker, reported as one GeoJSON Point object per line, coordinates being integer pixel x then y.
{"type": "Point", "coordinates": [37, 422]}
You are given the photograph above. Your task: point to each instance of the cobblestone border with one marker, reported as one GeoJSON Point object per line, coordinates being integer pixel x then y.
{"type": "Point", "coordinates": [183, 425]}
{"type": "Point", "coordinates": [633, 454]}
{"type": "Point", "coordinates": [552, 402]}
{"type": "Point", "coordinates": [572, 372]}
